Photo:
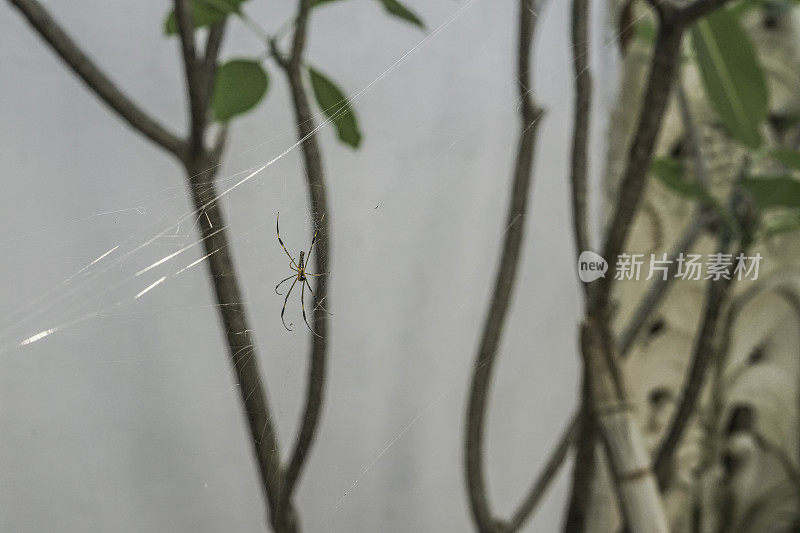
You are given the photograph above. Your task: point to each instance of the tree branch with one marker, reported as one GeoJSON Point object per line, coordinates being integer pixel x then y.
{"type": "Point", "coordinates": [97, 81]}
{"type": "Point", "coordinates": [318, 205]}
{"type": "Point", "coordinates": [706, 344]}
{"type": "Point", "coordinates": [531, 501]}
{"type": "Point", "coordinates": [584, 464]}
{"type": "Point", "coordinates": [209, 63]}
{"type": "Point", "coordinates": [703, 353]}
{"type": "Point", "coordinates": [582, 114]}
{"type": "Point", "coordinates": [662, 73]}
{"type": "Point", "coordinates": [195, 81]}
{"type": "Point", "coordinates": [506, 274]}
{"type": "Point", "coordinates": [637, 492]}
{"type": "Point", "coordinates": [200, 167]}
{"type": "Point", "coordinates": [241, 345]}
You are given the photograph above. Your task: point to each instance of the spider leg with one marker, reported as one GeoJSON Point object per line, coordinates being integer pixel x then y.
{"type": "Point", "coordinates": [284, 305]}
{"type": "Point", "coordinates": [313, 240]}
{"type": "Point", "coordinates": [303, 307]}
{"type": "Point", "coordinates": [319, 304]}
{"type": "Point", "coordinates": [282, 282]}
{"type": "Point", "coordinates": [278, 231]}
{"type": "Point", "coordinates": [311, 274]}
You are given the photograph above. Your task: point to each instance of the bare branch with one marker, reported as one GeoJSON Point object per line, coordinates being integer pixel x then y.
{"type": "Point", "coordinates": [703, 218]}
{"type": "Point", "coordinates": [706, 346]}
{"type": "Point", "coordinates": [318, 203]}
{"type": "Point", "coordinates": [702, 355]}
{"type": "Point", "coordinates": [506, 274]}
{"type": "Point", "coordinates": [97, 81]}
{"type": "Point", "coordinates": [584, 464]}
{"type": "Point", "coordinates": [657, 290]}
{"type": "Point", "coordinates": [300, 30]}
{"type": "Point", "coordinates": [582, 116]}
{"type": "Point", "coordinates": [209, 66]}
{"type": "Point", "coordinates": [195, 81]}
{"type": "Point", "coordinates": [662, 73]}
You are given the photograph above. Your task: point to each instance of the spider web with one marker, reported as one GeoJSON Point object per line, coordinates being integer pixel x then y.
{"type": "Point", "coordinates": [114, 369]}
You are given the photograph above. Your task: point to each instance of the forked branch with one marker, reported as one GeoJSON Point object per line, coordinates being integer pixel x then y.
{"type": "Point", "coordinates": [318, 205]}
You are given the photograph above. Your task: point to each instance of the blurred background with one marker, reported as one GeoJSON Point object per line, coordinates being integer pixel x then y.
{"type": "Point", "coordinates": [126, 417]}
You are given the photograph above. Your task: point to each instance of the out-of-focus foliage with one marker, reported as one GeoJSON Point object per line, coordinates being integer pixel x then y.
{"type": "Point", "coordinates": [732, 76]}
{"type": "Point", "coordinates": [205, 13]}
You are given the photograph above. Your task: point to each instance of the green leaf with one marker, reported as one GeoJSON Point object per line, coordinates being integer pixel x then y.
{"type": "Point", "coordinates": [238, 86]}
{"type": "Point", "coordinates": [669, 172]}
{"type": "Point", "coordinates": [393, 7]}
{"type": "Point", "coordinates": [336, 107]}
{"type": "Point", "coordinates": [773, 191]}
{"type": "Point", "coordinates": [732, 75]}
{"type": "Point", "coordinates": [784, 224]}
{"type": "Point", "coordinates": [399, 10]}
{"type": "Point", "coordinates": [205, 13]}
{"type": "Point", "coordinates": [788, 158]}
{"type": "Point", "coordinates": [646, 31]}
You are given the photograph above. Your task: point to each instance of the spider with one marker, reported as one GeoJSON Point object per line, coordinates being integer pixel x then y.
{"type": "Point", "coordinates": [300, 275]}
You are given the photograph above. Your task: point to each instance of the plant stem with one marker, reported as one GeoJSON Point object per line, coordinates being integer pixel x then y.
{"type": "Point", "coordinates": [504, 281]}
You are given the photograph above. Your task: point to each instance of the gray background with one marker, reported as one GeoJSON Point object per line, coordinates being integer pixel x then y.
{"type": "Point", "coordinates": [125, 419]}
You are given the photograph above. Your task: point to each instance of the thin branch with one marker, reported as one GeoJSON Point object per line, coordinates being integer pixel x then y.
{"type": "Point", "coordinates": [658, 288]}
{"type": "Point", "coordinates": [706, 345]}
{"type": "Point", "coordinates": [584, 464]}
{"type": "Point", "coordinates": [582, 116]}
{"type": "Point", "coordinates": [702, 354]}
{"type": "Point", "coordinates": [666, 55]}
{"type": "Point", "coordinates": [209, 63]}
{"type": "Point", "coordinates": [195, 80]}
{"type": "Point", "coordinates": [97, 81]}
{"type": "Point", "coordinates": [506, 275]}
{"type": "Point", "coordinates": [546, 476]}
{"type": "Point", "coordinates": [318, 204]}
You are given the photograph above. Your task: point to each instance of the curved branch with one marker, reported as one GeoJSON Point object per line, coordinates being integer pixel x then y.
{"type": "Point", "coordinates": [318, 204]}
{"type": "Point", "coordinates": [506, 274]}
{"type": "Point", "coordinates": [97, 81]}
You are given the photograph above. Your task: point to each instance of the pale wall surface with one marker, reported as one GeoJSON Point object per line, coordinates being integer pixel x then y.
{"type": "Point", "coordinates": [126, 419]}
